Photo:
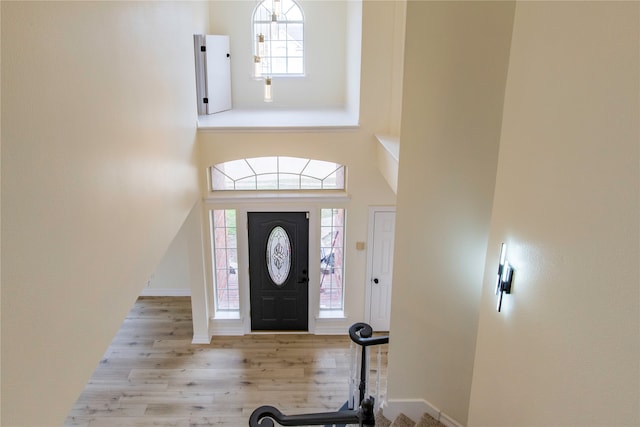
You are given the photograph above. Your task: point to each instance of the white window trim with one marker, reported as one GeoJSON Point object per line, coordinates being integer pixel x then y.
{"type": "Point", "coordinates": [326, 197]}
{"type": "Point", "coordinates": [227, 324]}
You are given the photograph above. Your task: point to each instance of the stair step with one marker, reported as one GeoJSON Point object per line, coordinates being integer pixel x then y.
{"type": "Point", "coordinates": [381, 420]}
{"type": "Point", "coordinates": [403, 421]}
{"type": "Point", "coordinates": [428, 421]}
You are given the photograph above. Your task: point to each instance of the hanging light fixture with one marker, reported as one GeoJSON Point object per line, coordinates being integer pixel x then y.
{"type": "Point", "coordinates": [257, 67]}
{"type": "Point", "coordinates": [268, 96]}
{"type": "Point", "coordinates": [277, 9]}
{"type": "Point", "coordinates": [274, 27]}
{"type": "Point", "coordinates": [260, 45]}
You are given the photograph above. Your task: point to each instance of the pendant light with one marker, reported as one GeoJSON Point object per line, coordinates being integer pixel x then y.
{"type": "Point", "coordinates": [260, 45]}
{"type": "Point", "coordinates": [257, 67]}
{"type": "Point", "coordinates": [277, 8]}
{"type": "Point", "coordinates": [268, 96]}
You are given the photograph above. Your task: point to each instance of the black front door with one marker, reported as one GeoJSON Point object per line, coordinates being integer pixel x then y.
{"type": "Point", "coordinates": [279, 270]}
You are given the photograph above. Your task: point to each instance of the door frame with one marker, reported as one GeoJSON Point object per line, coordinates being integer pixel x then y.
{"type": "Point", "coordinates": [369, 275]}
{"type": "Point", "coordinates": [243, 259]}
{"type": "Point", "coordinates": [296, 228]}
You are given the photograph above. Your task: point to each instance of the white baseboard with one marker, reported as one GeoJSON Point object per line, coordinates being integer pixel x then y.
{"type": "Point", "coordinates": [201, 339]}
{"type": "Point", "coordinates": [448, 421]}
{"type": "Point", "coordinates": [157, 292]}
{"type": "Point", "coordinates": [324, 329]}
{"type": "Point", "coordinates": [226, 327]}
{"type": "Point", "coordinates": [414, 408]}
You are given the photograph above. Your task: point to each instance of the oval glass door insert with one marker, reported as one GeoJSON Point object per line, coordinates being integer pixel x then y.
{"type": "Point", "coordinates": [278, 255]}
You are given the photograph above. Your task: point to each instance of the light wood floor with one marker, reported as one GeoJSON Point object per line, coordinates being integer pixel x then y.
{"type": "Point", "coordinates": [151, 374]}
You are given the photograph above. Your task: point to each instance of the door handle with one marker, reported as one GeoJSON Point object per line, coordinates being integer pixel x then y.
{"type": "Point", "coordinates": [305, 278]}
{"type": "Point", "coordinates": [375, 280]}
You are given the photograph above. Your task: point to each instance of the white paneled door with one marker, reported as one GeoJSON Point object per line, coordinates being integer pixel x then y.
{"type": "Point", "coordinates": [380, 269]}
{"type": "Point", "coordinates": [213, 73]}
{"type": "Point", "coordinates": [218, 74]}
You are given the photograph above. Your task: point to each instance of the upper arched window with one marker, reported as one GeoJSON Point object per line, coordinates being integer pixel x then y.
{"type": "Point", "coordinates": [278, 31]}
{"type": "Point", "coordinates": [277, 173]}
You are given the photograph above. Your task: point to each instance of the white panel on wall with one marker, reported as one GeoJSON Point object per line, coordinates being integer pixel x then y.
{"type": "Point", "coordinates": [213, 73]}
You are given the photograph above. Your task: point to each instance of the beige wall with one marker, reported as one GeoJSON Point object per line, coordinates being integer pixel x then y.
{"type": "Point", "coordinates": [456, 56]}
{"type": "Point", "coordinates": [565, 349]}
{"type": "Point", "coordinates": [354, 148]}
{"type": "Point", "coordinates": [98, 164]}
{"type": "Point", "coordinates": [324, 84]}
{"type": "Point", "coordinates": [174, 274]}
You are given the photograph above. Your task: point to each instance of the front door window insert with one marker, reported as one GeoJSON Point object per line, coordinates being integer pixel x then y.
{"type": "Point", "coordinates": [278, 255]}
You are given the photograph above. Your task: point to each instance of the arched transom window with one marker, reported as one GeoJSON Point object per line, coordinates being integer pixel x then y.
{"type": "Point", "coordinates": [278, 29]}
{"type": "Point", "coordinates": [277, 173]}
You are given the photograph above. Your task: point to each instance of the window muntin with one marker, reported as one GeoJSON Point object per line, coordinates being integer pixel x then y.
{"type": "Point", "coordinates": [332, 259]}
{"type": "Point", "coordinates": [277, 173]}
{"type": "Point", "coordinates": [224, 246]}
{"type": "Point", "coordinates": [283, 52]}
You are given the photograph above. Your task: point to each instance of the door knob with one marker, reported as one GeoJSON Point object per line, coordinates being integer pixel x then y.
{"type": "Point", "coordinates": [375, 280]}
{"type": "Point", "coordinates": [305, 278]}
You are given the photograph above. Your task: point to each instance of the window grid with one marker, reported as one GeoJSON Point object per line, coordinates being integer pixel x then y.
{"type": "Point", "coordinates": [332, 259]}
{"type": "Point", "coordinates": [283, 39]}
{"type": "Point", "coordinates": [282, 174]}
{"type": "Point", "coordinates": [224, 245]}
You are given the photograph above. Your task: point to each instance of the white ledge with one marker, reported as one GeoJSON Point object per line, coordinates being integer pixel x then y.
{"type": "Point", "coordinates": [389, 159]}
{"type": "Point", "coordinates": [391, 144]}
{"type": "Point", "coordinates": [279, 120]}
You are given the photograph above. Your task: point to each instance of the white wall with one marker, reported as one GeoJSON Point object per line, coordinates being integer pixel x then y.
{"type": "Point", "coordinates": [325, 32]}
{"type": "Point", "coordinates": [565, 349]}
{"type": "Point", "coordinates": [98, 164]}
{"type": "Point", "coordinates": [456, 56]}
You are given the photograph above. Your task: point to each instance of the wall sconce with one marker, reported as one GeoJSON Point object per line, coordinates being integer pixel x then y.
{"type": "Point", "coordinates": [267, 90]}
{"type": "Point", "coordinates": [505, 276]}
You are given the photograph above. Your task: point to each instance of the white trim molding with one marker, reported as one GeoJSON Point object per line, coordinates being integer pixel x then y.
{"type": "Point", "coordinates": [414, 408]}
{"type": "Point", "coordinates": [226, 327]}
{"type": "Point", "coordinates": [201, 339]}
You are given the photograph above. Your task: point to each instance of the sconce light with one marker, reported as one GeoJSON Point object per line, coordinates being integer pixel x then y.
{"type": "Point", "coordinates": [267, 90]}
{"type": "Point", "coordinates": [505, 276]}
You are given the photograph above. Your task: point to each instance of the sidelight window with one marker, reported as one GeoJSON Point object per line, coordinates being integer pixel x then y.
{"type": "Point", "coordinates": [224, 244]}
{"type": "Point", "coordinates": [332, 260]}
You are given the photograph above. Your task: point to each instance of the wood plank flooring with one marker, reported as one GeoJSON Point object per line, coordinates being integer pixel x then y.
{"type": "Point", "coordinates": [151, 375]}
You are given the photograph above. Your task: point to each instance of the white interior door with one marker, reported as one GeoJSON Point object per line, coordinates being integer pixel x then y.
{"type": "Point", "coordinates": [380, 269]}
{"type": "Point", "coordinates": [218, 84]}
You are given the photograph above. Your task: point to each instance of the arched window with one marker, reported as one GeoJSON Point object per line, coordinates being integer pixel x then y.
{"type": "Point", "coordinates": [277, 173]}
{"type": "Point", "coordinates": [278, 31]}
